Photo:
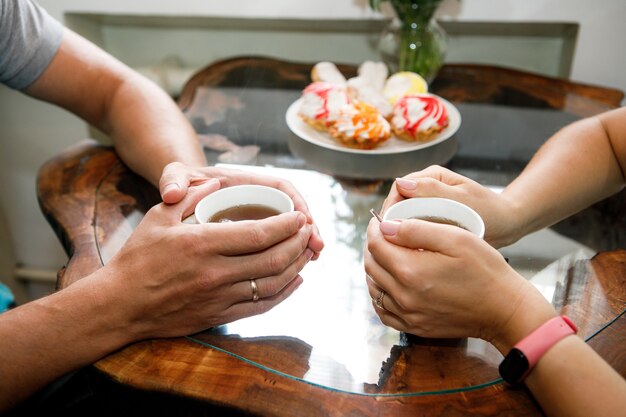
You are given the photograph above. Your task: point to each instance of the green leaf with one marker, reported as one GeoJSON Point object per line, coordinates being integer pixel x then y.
{"type": "Point", "coordinates": [375, 4]}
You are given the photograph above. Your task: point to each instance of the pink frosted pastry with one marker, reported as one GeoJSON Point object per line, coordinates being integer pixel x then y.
{"type": "Point", "coordinates": [362, 127]}
{"type": "Point", "coordinates": [419, 117]}
{"type": "Point", "coordinates": [322, 102]}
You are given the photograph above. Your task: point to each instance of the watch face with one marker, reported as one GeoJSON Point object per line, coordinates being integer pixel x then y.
{"type": "Point", "coordinates": [514, 366]}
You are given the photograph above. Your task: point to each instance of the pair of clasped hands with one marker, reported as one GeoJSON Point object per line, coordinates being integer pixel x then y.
{"type": "Point", "coordinates": [439, 280]}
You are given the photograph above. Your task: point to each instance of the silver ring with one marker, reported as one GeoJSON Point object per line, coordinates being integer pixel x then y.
{"type": "Point", "coordinates": [255, 291]}
{"type": "Point", "coordinates": [379, 300]}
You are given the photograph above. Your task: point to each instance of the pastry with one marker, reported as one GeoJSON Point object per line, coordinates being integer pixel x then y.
{"type": "Point", "coordinates": [367, 86]}
{"type": "Point", "coordinates": [360, 127]}
{"type": "Point", "coordinates": [373, 97]}
{"type": "Point", "coordinates": [403, 83]}
{"type": "Point", "coordinates": [328, 72]}
{"type": "Point", "coordinates": [370, 73]}
{"type": "Point", "coordinates": [321, 104]}
{"type": "Point", "coordinates": [419, 117]}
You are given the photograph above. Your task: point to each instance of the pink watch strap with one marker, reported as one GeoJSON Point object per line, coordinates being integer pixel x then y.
{"type": "Point", "coordinates": [543, 338]}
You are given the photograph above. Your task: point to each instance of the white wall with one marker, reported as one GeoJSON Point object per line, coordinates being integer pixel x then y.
{"type": "Point", "coordinates": [599, 58]}
{"type": "Point", "coordinates": [32, 132]}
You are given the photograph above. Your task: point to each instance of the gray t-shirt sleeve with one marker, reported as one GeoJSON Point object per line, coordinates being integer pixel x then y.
{"type": "Point", "coordinates": [29, 39]}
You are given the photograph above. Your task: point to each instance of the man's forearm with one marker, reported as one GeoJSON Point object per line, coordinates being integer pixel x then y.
{"type": "Point", "coordinates": [47, 338]}
{"type": "Point", "coordinates": [148, 129]}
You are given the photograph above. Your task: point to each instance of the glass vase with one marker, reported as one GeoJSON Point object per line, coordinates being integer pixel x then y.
{"type": "Point", "coordinates": [414, 41]}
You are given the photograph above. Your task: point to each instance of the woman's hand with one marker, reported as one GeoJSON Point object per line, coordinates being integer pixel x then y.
{"type": "Point", "coordinates": [173, 279]}
{"type": "Point", "coordinates": [177, 178]}
{"type": "Point", "coordinates": [442, 281]}
{"type": "Point", "coordinates": [497, 212]}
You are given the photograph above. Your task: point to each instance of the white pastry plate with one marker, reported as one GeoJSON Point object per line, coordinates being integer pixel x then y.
{"type": "Point", "coordinates": [391, 146]}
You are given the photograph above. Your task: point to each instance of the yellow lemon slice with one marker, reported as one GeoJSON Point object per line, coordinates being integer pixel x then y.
{"type": "Point", "coordinates": [402, 83]}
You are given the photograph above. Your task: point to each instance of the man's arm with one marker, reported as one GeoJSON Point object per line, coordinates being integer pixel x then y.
{"type": "Point", "coordinates": [169, 279]}
{"type": "Point", "coordinates": [46, 338]}
{"type": "Point", "coordinates": [147, 128]}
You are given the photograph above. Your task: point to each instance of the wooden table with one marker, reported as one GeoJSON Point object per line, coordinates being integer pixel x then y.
{"type": "Point", "coordinates": [93, 202]}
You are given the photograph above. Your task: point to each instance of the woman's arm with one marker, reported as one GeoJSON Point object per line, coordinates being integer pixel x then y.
{"type": "Point", "coordinates": [580, 165]}
{"type": "Point", "coordinates": [442, 281]}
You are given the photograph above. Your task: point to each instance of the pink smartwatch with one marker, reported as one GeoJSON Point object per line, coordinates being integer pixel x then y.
{"type": "Point", "coordinates": [525, 354]}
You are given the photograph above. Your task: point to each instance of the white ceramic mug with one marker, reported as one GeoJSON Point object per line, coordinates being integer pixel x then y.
{"type": "Point", "coordinates": [239, 195]}
{"type": "Point", "coordinates": [437, 207]}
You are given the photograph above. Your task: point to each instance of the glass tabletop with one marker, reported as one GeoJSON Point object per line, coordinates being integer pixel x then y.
{"type": "Point", "coordinates": [327, 332]}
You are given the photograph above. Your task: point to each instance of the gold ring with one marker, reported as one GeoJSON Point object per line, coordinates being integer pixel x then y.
{"type": "Point", "coordinates": [380, 299]}
{"type": "Point", "coordinates": [255, 291]}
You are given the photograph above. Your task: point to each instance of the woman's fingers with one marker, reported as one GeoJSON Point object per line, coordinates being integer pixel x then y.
{"type": "Point", "coordinates": [434, 181]}
{"type": "Point", "coordinates": [391, 319]}
{"type": "Point", "coordinates": [425, 235]}
{"type": "Point", "coordinates": [424, 187]}
{"type": "Point", "coordinates": [381, 298]}
{"type": "Point", "coordinates": [400, 262]}
{"type": "Point", "coordinates": [435, 172]}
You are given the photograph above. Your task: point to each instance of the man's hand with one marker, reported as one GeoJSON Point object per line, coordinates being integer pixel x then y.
{"type": "Point", "coordinates": [174, 279]}
{"type": "Point", "coordinates": [178, 178]}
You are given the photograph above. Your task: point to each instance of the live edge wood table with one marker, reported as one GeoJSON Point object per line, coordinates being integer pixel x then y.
{"type": "Point", "coordinates": [323, 351]}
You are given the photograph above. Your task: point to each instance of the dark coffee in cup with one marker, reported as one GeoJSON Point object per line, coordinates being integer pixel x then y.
{"type": "Point", "coordinates": [442, 220]}
{"type": "Point", "coordinates": [243, 212]}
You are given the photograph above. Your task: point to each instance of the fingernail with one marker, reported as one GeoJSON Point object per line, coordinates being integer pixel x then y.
{"type": "Point", "coordinates": [299, 283]}
{"type": "Point", "coordinates": [308, 254]}
{"type": "Point", "coordinates": [301, 220]}
{"type": "Point", "coordinates": [406, 184]}
{"type": "Point", "coordinates": [389, 227]}
{"type": "Point", "coordinates": [170, 187]}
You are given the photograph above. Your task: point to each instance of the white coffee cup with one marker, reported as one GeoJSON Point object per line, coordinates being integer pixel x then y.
{"type": "Point", "coordinates": [442, 208]}
{"type": "Point", "coordinates": [240, 195]}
